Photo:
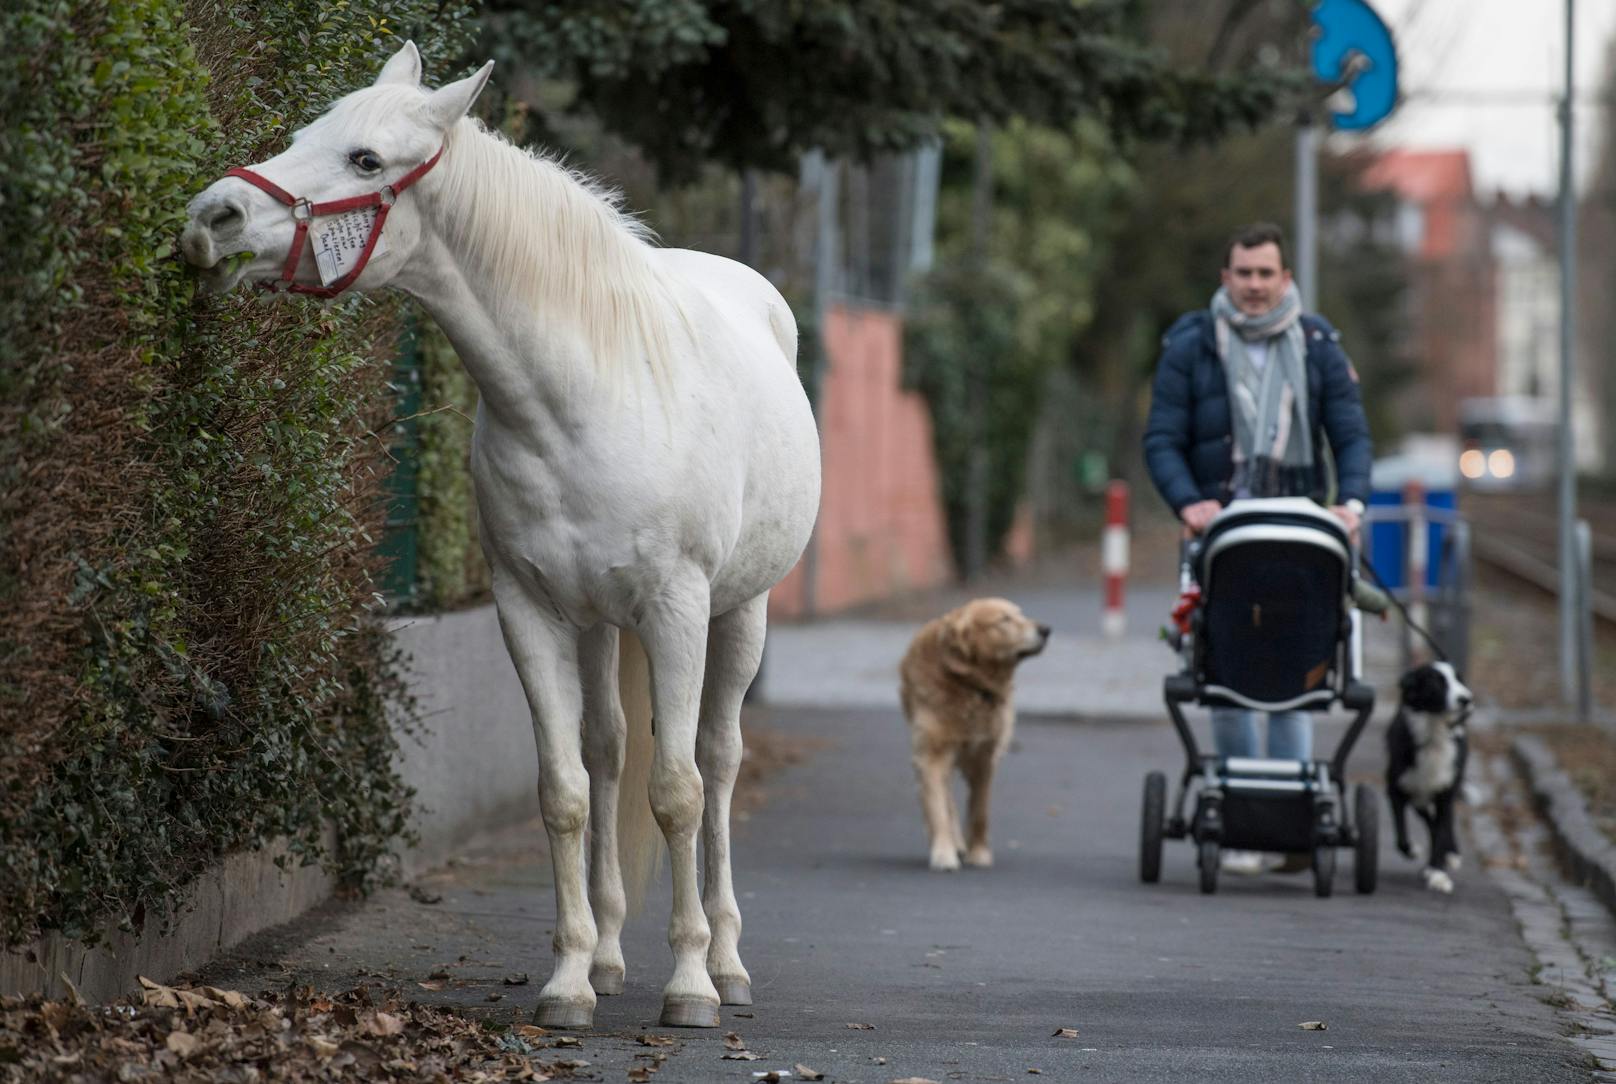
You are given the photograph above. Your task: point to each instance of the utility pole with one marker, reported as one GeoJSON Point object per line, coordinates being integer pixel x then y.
{"type": "Point", "coordinates": [1570, 585]}
{"type": "Point", "coordinates": [976, 479]}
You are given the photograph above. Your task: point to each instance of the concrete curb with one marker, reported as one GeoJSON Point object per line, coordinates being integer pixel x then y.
{"type": "Point", "coordinates": [1587, 852]}
{"type": "Point", "coordinates": [474, 767]}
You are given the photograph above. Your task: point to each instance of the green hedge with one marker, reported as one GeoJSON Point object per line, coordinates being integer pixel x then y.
{"type": "Point", "coordinates": [190, 489]}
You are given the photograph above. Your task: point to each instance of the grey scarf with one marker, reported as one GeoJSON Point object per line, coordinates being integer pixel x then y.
{"type": "Point", "coordinates": [1273, 445]}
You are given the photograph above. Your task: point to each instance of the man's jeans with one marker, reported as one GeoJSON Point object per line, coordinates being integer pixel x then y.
{"type": "Point", "coordinates": [1290, 733]}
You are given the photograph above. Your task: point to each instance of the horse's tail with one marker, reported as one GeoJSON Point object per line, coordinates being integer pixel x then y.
{"type": "Point", "coordinates": [639, 839]}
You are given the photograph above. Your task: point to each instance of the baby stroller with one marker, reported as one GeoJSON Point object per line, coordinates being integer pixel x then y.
{"type": "Point", "coordinates": [1266, 622]}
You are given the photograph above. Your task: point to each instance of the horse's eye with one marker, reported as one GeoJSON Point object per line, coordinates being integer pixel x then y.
{"type": "Point", "coordinates": [366, 160]}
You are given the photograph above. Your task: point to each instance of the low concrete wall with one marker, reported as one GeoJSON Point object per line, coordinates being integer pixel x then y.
{"type": "Point", "coordinates": [244, 894]}
{"type": "Point", "coordinates": [473, 764]}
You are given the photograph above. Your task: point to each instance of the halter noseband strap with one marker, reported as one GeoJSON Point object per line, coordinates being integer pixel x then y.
{"type": "Point", "coordinates": [304, 212]}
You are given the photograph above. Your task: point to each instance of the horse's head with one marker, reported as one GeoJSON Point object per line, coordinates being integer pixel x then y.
{"type": "Point", "coordinates": [370, 146]}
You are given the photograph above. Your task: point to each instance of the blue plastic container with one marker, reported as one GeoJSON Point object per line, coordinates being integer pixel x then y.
{"type": "Point", "coordinates": [1387, 543]}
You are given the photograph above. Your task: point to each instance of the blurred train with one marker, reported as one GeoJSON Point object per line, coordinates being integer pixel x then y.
{"type": "Point", "coordinates": [1508, 442]}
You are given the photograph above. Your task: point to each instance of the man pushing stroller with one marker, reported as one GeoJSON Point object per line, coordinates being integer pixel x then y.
{"type": "Point", "coordinates": [1247, 393]}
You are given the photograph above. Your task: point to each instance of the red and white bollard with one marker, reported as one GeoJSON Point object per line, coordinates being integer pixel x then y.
{"type": "Point", "coordinates": [1114, 558]}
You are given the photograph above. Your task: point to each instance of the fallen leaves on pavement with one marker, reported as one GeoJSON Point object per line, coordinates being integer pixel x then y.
{"type": "Point", "coordinates": [207, 1034]}
{"type": "Point", "coordinates": [1064, 1033]}
{"type": "Point", "coordinates": [1312, 1025]}
{"type": "Point", "coordinates": [806, 1073]}
{"type": "Point", "coordinates": [862, 1027]}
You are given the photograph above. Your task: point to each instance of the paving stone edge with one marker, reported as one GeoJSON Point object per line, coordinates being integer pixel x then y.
{"type": "Point", "coordinates": [1589, 855]}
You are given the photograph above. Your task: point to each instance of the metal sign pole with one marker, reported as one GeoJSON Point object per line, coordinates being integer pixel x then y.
{"type": "Point", "coordinates": [1570, 653]}
{"type": "Point", "coordinates": [1307, 211]}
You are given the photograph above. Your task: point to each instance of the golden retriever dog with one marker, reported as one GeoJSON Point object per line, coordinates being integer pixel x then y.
{"type": "Point", "coordinates": [955, 683]}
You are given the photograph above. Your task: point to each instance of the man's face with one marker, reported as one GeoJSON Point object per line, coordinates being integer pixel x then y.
{"type": "Point", "coordinates": [1256, 278]}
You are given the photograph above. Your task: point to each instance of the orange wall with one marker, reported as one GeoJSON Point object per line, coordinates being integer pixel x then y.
{"type": "Point", "coordinates": [880, 519]}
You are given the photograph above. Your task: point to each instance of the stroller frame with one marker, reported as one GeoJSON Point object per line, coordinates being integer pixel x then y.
{"type": "Point", "coordinates": [1260, 804]}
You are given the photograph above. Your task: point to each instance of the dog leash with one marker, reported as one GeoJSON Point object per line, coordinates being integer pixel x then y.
{"type": "Point", "coordinates": [1403, 610]}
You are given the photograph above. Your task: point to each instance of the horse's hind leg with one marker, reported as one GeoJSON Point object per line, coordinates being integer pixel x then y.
{"type": "Point", "coordinates": [675, 636]}
{"type": "Point", "coordinates": [545, 653]}
{"type": "Point", "coordinates": [734, 651]}
{"type": "Point", "coordinates": [603, 757]}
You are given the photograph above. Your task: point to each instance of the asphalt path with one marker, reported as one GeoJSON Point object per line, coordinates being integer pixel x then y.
{"type": "Point", "coordinates": [968, 976]}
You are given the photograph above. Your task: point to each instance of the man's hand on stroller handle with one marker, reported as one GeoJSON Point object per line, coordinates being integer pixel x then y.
{"type": "Point", "coordinates": [1199, 516]}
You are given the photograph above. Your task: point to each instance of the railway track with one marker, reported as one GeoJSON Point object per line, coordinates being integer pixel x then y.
{"type": "Point", "coordinates": [1519, 534]}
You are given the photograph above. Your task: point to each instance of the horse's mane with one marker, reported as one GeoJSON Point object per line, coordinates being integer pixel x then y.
{"type": "Point", "coordinates": [557, 241]}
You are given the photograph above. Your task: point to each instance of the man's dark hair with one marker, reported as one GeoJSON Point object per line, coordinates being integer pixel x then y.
{"type": "Point", "coordinates": [1258, 233]}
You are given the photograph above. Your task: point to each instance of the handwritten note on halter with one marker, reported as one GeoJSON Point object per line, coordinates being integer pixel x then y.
{"type": "Point", "coordinates": [339, 241]}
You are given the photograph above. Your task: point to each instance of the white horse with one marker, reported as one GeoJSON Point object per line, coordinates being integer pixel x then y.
{"type": "Point", "coordinates": [645, 460]}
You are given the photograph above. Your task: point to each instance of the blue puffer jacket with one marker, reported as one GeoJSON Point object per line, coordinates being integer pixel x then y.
{"type": "Point", "coordinates": [1189, 441]}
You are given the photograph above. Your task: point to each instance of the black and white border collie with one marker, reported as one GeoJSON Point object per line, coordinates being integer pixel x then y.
{"type": "Point", "coordinates": [1426, 751]}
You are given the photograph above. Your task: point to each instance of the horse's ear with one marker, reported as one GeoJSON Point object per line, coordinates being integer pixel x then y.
{"type": "Point", "coordinates": [449, 103]}
{"type": "Point", "coordinates": [403, 67]}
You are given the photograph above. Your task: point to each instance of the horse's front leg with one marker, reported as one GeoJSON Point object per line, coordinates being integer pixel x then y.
{"type": "Point", "coordinates": [675, 636]}
{"type": "Point", "coordinates": [545, 653]}
{"type": "Point", "coordinates": [734, 651]}
{"type": "Point", "coordinates": [604, 732]}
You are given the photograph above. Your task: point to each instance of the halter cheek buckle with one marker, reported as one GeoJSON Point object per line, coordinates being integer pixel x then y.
{"type": "Point", "coordinates": [303, 210]}
{"type": "Point", "coordinates": [387, 197]}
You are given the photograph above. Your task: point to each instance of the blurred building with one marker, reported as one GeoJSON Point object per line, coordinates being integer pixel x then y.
{"type": "Point", "coordinates": [1446, 235]}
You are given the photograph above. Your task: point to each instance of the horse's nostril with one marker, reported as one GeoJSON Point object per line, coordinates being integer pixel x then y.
{"type": "Point", "coordinates": [227, 216]}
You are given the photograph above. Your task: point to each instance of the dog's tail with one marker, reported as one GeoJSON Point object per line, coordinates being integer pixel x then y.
{"type": "Point", "coordinates": [639, 839]}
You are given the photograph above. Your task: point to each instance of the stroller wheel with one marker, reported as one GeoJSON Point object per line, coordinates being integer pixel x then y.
{"type": "Point", "coordinates": [1323, 870]}
{"type": "Point", "coordinates": [1209, 866]}
{"type": "Point", "coordinates": [1150, 828]}
{"type": "Point", "coordinates": [1366, 853]}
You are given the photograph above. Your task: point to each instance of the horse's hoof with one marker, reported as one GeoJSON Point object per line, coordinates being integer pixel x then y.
{"type": "Point", "coordinates": [689, 1012]}
{"type": "Point", "coordinates": [606, 980]}
{"type": "Point", "coordinates": [564, 1014]}
{"type": "Point", "coordinates": [733, 991]}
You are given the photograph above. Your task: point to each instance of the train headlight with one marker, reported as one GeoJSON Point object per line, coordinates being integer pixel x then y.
{"type": "Point", "coordinates": [1473, 463]}
{"type": "Point", "coordinates": [1501, 463]}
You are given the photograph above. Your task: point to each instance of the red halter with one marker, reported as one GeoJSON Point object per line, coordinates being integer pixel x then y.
{"type": "Point", "coordinates": [303, 212]}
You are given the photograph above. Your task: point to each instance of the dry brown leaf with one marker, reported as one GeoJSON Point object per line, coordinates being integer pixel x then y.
{"type": "Point", "coordinates": [1313, 1025]}
{"type": "Point", "coordinates": [1034, 1072]}
{"type": "Point", "coordinates": [518, 979]}
{"type": "Point", "coordinates": [862, 1027]}
{"type": "Point", "coordinates": [655, 1040]}
{"type": "Point", "coordinates": [182, 1043]}
{"type": "Point", "coordinates": [568, 1040]}
{"type": "Point", "coordinates": [640, 1075]}
{"type": "Point", "coordinates": [382, 1024]}
{"type": "Point", "coordinates": [1065, 1033]}
{"type": "Point", "coordinates": [530, 1031]}
{"type": "Point", "coordinates": [772, 1076]}
{"type": "Point", "coordinates": [914, 1080]}
{"type": "Point", "coordinates": [321, 1045]}
{"type": "Point", "coordinates": [742, 1055]}
{"type": "Point", "coordinates": [806, 1073]}
{"type": "Point", "coordinates": [430, 985]}
{"type": "Point", "coordinates": [232, 998]}
{"type": "Point", "coordinates": [733, 1041]}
